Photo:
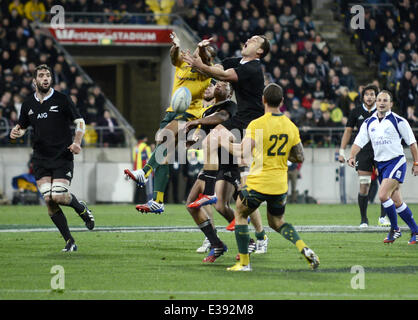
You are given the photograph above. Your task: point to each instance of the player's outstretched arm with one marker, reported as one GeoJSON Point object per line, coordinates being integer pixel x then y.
{"type": "Point", "coordinates": [175, 55]}
{"type": "Point", "coordinates": [213, 71]}
{"type": "Point", "coordinates": [296, 153]}
{"type": "Point", "coordinates": [344, 141]}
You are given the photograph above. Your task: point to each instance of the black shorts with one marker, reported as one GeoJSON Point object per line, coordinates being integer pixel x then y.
{"type": "Point", "coordinates": [58, 169]}
{"type": "Point", "coordinates": [230, 174]}
{"type": "Point", "coordinates": [236, 126]}
{"type": "Point", "coordinates": [365, 160]}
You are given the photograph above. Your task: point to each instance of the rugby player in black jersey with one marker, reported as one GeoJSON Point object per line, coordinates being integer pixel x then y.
{"type": "Point", "coordinates": [51, 115]}
{"type": "Point", "coordinates": [246, 76]}
{"type": "Point", "coordinates": [227, 179]}
{"type": "Point", "coordinates": [365, 159]}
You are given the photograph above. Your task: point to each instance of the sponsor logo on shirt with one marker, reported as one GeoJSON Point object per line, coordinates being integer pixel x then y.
{"type": "Point", "coordinates": [43, 115]}
{"type": "Point", "coordinates": [30, 112]}
{"type": "Point", "coordinates": [53, 109]}
{"type": "Point", "coordinates": [361, 117]}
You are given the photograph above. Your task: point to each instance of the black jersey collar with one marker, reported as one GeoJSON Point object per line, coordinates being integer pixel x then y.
{"type": "Point", "coordinates": [47, 97]}
{"type": "Point", "coordinates": [372, 109]}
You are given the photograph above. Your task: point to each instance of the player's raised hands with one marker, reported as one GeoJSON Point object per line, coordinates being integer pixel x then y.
{"type": "Point", "coordinates": [17, 132]}
{"type": "Point", "coordinates": [205, 42]}
{"type": "Point", "coordinates": [191, 60]}
{"type": "Point", "coordinates": [174, 39]}
{"type": "Point", "coordinates": [75, 148]}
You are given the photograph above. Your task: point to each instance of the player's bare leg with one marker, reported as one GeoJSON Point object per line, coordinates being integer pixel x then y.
{"type": "Point", "coordinates": [211, 166]}
{"type": "Point", "coordinates": [55, 213]}
{"type": "Point", "coordinates": [60, 193]}
{"type": "Point", "coordinates": [202, 220]}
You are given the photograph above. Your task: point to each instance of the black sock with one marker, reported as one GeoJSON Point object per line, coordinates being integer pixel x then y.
{"type": "Point", "coordinates": [362, 203]}
{"type": "Point", "coordinates": [382, 211]}
{"type": "Point", "coordinates": [210, 181]}
{"type": "Point", "coordinates": [61, 222]}
{"type": "Point", "coordinates": [210, 233]}
{"type": "Point", "coordinates": [76, 205]}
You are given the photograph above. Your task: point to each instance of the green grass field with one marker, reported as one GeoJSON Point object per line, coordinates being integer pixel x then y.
{"type": "Point", "coordinates": [164, 265]}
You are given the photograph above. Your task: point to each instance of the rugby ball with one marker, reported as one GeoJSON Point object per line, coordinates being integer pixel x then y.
{"type": "Point", "coordinates": [181, 100]}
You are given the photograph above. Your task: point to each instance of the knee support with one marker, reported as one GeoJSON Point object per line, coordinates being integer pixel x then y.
{"type": "Point", "coordinates": [60, 189]}
{"type": "Point", "coordinates": [365, 179]}
{"type": "Point", "coordinates": [45, 189]}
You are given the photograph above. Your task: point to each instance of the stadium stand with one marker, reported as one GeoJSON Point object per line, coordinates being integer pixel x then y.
{"type": "Point", "coordinates": [389, 43]}
{"type": "Point", "coordinates": [301, 59]}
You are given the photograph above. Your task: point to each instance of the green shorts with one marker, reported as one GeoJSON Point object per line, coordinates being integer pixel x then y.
{"type": "Point", "coordinates": [170, 116]}
{"type": "Point", "coordinates": [252, 199]}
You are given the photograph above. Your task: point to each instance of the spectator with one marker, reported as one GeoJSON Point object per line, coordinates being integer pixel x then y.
{"type": "Point", "coordinates": [297, 113]}
{"type": "Point", "coordinates": [336, 113]}
{"type": "Point", "coordinates": [387, 58]}
{"type": "Point", "coordinates": [111, 135]}
{"type": "Point", "coordinates": [347, 79]}
{"type": "Point", "coordinates": [32, 7]}
{"type": "Point", "coordinates": [286, 19]}
{"type": "Point", "coordinates": [18, 6]}
{"type": "Point", "coordinates": [311, 77]}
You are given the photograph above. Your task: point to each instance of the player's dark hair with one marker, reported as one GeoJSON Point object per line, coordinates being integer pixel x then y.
{"type": "Point", "coordinates": [265, 46]}
{"type": "Point", "coordinates": [41, 67]}
{"type": "Point", "coordinates": [273, 95]}
{"type": "Point", "coordinates": [389, 93]}
{"type": "Point", "coordinates": [369, 87]}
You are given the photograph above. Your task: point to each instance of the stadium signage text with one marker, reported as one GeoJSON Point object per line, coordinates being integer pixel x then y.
{"type": "Point", "coordinates": [87, 35]}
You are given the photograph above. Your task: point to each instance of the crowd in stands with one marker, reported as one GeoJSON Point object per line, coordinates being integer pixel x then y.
{"type": "Point", "coordinates": [319, 90]}
{"type": "Point", "coordinates": [389, 41]}
{"type": "Point", "coordinates": [22, 48]}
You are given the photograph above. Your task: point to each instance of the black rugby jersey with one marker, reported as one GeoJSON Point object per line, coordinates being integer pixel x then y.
{"type": "Point", "coordinates": [356, 119]}
{"type": "Point", "coordinates": [248, 89]}
{"type": "Point", "coordinates": [51, 122]}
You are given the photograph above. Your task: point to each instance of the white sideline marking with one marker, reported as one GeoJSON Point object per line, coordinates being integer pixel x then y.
{"type": "Point", "coordinates": [322, 229]}
{"type": "Point", "coordinates": [238, 293]}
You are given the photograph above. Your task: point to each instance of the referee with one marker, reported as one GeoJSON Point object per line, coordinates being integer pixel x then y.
{"type": "Point", "coordinates": [365, 159]}
{"type": "Point", "coordinates": [51, 114]}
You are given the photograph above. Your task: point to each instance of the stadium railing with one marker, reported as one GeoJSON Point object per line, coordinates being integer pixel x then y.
{"type": "Point", "coordinates": [94, 136]}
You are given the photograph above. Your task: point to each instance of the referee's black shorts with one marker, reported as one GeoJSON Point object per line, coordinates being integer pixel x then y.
{"type": "Point", "coordinates": [365, 160]}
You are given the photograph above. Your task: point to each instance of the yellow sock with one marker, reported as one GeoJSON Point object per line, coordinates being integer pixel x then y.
{"type": "Point", "coordinates": [160, 197]}
{"type": "Point", "coordinates": [300, 245]}
{"type": "Point", "coordinates": [244, 259]}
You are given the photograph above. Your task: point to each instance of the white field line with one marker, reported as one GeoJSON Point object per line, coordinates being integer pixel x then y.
{"type": "Point", "coordinates": [321, 229]}
{"type": "Point", "coordinates": [219, 293]}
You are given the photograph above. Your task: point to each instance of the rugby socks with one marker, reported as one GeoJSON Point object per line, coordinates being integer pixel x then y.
{"type": "Point", "coordinates": [161, 177]}
{"type": "Point", "coordinates": [76, 205]}
{"type": "Point", "coordinates": [152, 163]}
{"type": "Point", "coordinates": [210, 233]}
{"type": "Point", "coordinates": [363, 201]}
{"type": "Point", "coordinates": [289, 233]}
{"type": "Point", "coordinates": [390, 210]}
{"type": "Point", "coordinates": [242, 235]}
{"type": "Point", "coordinates": [406, 215]}
{"type": "Point", "coordinates": [60, 221]}
{"type": "Point", "coordinates": [260, 235]}
{"type": "Point", "coordinates": [382, 211]}
{"type": "Point", "coordinates": [210, 181]}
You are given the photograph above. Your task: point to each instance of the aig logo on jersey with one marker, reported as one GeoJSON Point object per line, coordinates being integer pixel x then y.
{"type": "Point", "coordinates": [42, 115]}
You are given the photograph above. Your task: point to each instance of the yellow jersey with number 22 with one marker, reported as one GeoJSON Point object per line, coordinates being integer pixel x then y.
{"type": "Point", "coordinates": [274, 136]}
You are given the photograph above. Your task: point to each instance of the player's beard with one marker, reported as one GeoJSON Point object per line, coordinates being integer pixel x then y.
{"type": "Point", "coordinates": [41, 88]}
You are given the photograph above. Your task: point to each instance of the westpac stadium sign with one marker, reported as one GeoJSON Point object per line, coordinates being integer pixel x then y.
{"type": "Point", "coordinates": [82, 34]}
